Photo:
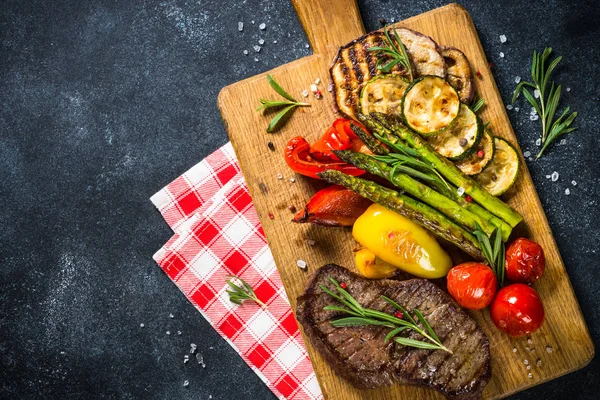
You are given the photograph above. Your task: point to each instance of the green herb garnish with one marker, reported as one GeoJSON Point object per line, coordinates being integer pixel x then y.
{"type": "Point", "coordinates": [290, 104]}
{"type": "Point", "coordinates": [238, 294]}
{"type": "Point", "coordinates": [475, 107]}
{"type": "Point", "coordinates": [402, 320]}
{"type": "Point", "coordinates": [395, 51]}
{"type": "Point", "coordinates": [495, 255]}
{"type": "Point", "coordinates": [548, 101]}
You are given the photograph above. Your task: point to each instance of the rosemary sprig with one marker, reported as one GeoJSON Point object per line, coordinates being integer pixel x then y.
{"type": "Point", "coordinates": [290, 104]}
{"type": "Point", "coordinates": [475, 107]}
{"type": "Point", "coordinates": [394, 50]}
{"type": "Point", "coordinates": [238, 294]}
{"type": "Point", "coordinates": [360, 316]}
{"type": "Point", "coordinates": [495, 255]}
{"type": "Point", "coordinates": [548, 100]}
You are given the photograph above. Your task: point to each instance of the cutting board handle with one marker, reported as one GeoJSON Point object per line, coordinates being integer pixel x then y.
{"type": "Point", "coordinates": [329, 24]}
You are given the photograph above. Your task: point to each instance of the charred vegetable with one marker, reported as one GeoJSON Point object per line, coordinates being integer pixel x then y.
{"type": "Point", "coordinates": [383, 94]}
{"type": "Point", "coordinates": [458, 73]}
{"type": "Point", "coordinates": [429, 105]}
{"type": "Point", "coordinates": [480, 158]}
{"type": "Point", "coordinates": [502, 171]}
{"type": "Point", "coordinates": [459, 140]}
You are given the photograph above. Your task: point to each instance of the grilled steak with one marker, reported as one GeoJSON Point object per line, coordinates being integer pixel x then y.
{"type": "Point", "coordinates": [360, 355]}
{"type": "Point", "coordinates": [354, 65]}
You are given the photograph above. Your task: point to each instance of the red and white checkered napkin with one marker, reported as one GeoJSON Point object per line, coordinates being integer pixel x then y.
{"type": "Point", "coordinates": [218, 233]}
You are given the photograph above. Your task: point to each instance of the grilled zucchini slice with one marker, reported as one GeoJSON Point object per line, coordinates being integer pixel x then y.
{"type": "Point", "coordinates": [383, 94]}
{"type": "Point", "coordinates": [430, 104]}
{"type": "Point", "coordinates": [502, 171]}
{"type": "Point", "coordinates": [460, 139]}
{"type": "Point", "coordinates": [480, 158]}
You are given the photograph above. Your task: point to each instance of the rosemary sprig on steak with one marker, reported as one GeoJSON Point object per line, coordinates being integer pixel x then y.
{"type": "Point", "coordinates": [238, 294]}
{"type": "Point", "coordinates": [400, 321]}
{"type": "Point", "coordinates": [395, 52]}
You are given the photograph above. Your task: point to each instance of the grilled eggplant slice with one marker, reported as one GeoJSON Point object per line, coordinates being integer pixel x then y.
{"type": "Point", "coordinates": [383, 94]}
{"type": "Point", "coordinates": [480, 158]}
{"type": "Point", "coordinates": [502, 171]}
{"type": "Point", "coordinates": [354, 65]}
{"type": "Point", "coordinates": [458, 73]}
{"type": "Point", "coordinates": [460, 139]}
{"type": "Point", "coordinates": [423, 52]}
{"type": "Point", "coordinates": [429, 105]}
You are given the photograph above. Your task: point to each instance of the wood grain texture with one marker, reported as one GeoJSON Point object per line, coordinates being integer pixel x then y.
{"type": "Point", "coordinates": [564, 330]}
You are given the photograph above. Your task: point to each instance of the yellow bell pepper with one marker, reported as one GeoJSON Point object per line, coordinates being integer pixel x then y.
{"type": "Point", "coordinates": [372, 267]}
{"type": "Point", "coordinates": [401, 242]}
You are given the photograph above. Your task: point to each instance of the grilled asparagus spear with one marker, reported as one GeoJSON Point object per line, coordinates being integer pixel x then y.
{"type": "Point", "coordinates": [449, 170]}
{"type": "Point", "coordinates": [418, 190]}
{"type": "Point", "coordinates": [422, 214]}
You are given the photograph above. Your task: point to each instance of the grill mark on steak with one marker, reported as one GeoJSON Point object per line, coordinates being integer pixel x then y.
{"type": "Point", "coordinates": [360, 355]}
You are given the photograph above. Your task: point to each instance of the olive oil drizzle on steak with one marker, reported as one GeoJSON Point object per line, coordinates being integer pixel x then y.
{"type": "Point", "coordinates": [360, 354]}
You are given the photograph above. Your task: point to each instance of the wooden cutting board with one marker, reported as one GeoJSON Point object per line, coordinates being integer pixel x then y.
{"type": "Point", "coordinates": [562, 345]}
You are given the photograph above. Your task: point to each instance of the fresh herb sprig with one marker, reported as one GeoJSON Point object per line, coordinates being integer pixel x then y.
{"type": "Point", "coordinates": [495, 255]}
{"type": "Point", "coordinates": [360, 316]}
{"type": "Point", "coordinates": [407, 160]}
{"type": "Point", "coordinates": [395, 51]}
{"type": "Point", "coordinates": [289, 103]}
{"type": "Point", "coordinates": [548, 100]}
{"type": "Point", "coordinates": [240, 293]}
{"type": "Point", "coordinates": [478, 104]}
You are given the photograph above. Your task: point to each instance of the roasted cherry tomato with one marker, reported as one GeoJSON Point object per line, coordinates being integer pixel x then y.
{"type": "Point", "coordinates": [297, 156]}
{"type": "Point", "coordinates": [472, 285]}
{"type": "Point", "coordinates": [517, 310]}
{"type": "Point", "coordinates": [525, 261]}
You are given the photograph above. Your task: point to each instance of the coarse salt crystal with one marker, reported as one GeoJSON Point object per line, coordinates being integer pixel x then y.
{"type": "Point", "coordinates": [179, 332]}
{"type": "Point", "coordinates": [562, 142]}
{"type": "Point", "coordinates": [171, 316]}
{"type": "Point", "coordinates": [279, 176]}
{"type": "Point", "coordinates": [517, 109]}
{"type": "Point", "coordinates": [142, 325]}
{"type": "Point", "coordinates": [311, 242]}
{"type": "Point", "coordinates": [257, 49]}
{"type": "Point", "coordinates": [548, 349]}
{"type": "Point", "coordinates": [548, 176]}
{"type": "Point", "coordinates": [525, 361]}
{"type": "Point", "coordinates": [567, 191]}
{"type": "Point", "coordinates": [502, 38]}
{"type": "Point", "coordinates": [317, 81]}
{"type": "Point", "coordinates": [538, 142]}
{"type": "Point", "coordinates": [527, 153]}
{"type": "Point", "coordinates": [509, 107]}
{"type": "Point", "coordinates": [313, 88]}
{"type": "Point", "coordinates": [514, 349]}
{"type": "Point", "coordinates": [186, 383]}
{"type": "Point", "coordinates": [261, 41]}
{"type": "Point", "coordinates": [554, 176]}
{"type": "Point", "coordinates": [240, 26]}
{"type": "Point", "coordinates": [301, 264]}
{"type": "Point", "coordinates": [193, 348]}
{"type": "Point", "coordinates": [307, 45]}
{"type": "Point", "coordinates": [274, 41]}
{"type": "Point", "coordinates": [255, 59]}
{"type": "Point", "coordinates": [517, 79]}
{"type": "Point", "coordinates": [262, 26]}
{"type": "Point", "coordinates": [538, 362]}
{"type": "Point", "coordinates": [501, 55]}
{"type": "Point", "coordinates": [568, 89]}
{"type": "Point", "coordinates": [534, 117]}
{"type": "Point", "coordinates": [330, 87]}
{"type": "Point", "coordinates": [292, 180]}
{"type": "Point", "coordinates": [536, 94]}
{"type": "Point", "coordinates": [200, 360]}
{"type": "Point", "coordinates": [186, 359]}
{"type": "Point", "coordinates": [252, 22]}
{"type": "Point", "coordinates": [305, 93]}
{"type": "Point", "coordinates": [530, 375]}
{"type": "Point", "coordinates": [460, 191]}
{"type": "Point", "coordinates": [530, 340]}
{"type": "Point", "coordinates": [528, 367]}
{"type": "Point", "coordinates": [245, 52]}
{"type": "Point", "coordinates": [573, 183]}
{"type": "Point", "coordinates": [168, 332]}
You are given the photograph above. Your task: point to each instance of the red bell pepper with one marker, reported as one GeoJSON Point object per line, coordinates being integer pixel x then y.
{"type": "Point", "coordinates": [298, 157]}
{"type": "Point", "coordinates": [333, 206]}
{"type": "Point", "coordinates": [338, 137]}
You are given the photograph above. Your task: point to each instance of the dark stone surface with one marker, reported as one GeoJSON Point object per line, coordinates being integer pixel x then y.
{"type": "Point", "coordinates": [103, 103]}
